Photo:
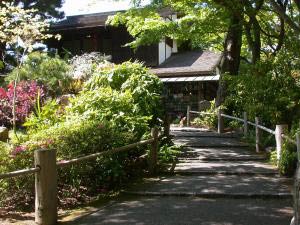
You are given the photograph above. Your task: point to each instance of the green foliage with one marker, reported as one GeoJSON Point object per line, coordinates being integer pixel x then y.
{"type": "Point", "coordinates": [111, 99]}
{"type": "Point", "coordinates": [168, 153]}
{"type": "Point", "coordinates": [208, 120]}
{"type": "Point", "coordinates": [145, 88]}
{"type": "Point", "coordinates": [4, 156]}
{"type": "Point", "coordinates": [1, 65]}
{"type": "Point", "coordinates": [268, 89]}
{"type": "Point", "coordinates": [49, 71]}
{"type": "Point", "coordinates": [44, 117]}
{"type": "Point", "coordinates": [108, 104]}
{"type": "Point", "coordinates": [288, 162]}
{"type": "Point", "coordinates": [201, 23]}
{"type": "Point", "coordinates": [21, 28]}
{"type": "Point", "coordinates": [109, 112]}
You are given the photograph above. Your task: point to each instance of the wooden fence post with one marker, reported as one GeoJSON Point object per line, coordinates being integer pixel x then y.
{"type": "Point", "coordinates": [280, 129]}
{"type": "Point", "coordinates": [220, 121]}
{"type": "Point", "coordinates": [154, 150]}
{"type": "Point", "coordinates": [257, 135]}
{"type": "Point", "coordinates": [298, 146]}
{"type": "Point", "coordinates": [46, 187]}
{"type": "Point", "coordinates": [245, 124]}
{"type": "Point", "coordinates": [188, 116]}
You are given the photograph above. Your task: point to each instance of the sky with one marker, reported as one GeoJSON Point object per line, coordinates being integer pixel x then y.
{"type": "Point", "coordinates": [77, 7]}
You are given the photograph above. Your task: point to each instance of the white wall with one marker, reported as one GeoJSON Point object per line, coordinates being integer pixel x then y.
{"type": "Point", "coordinates": [161, 52]}
{"type": "Point", "coordinates": [168, 51]}
{"type": "Point", "coordinates": [164, 50]}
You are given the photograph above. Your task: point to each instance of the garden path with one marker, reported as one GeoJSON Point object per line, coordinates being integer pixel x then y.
{"type": "Point", "coordinates": [218, 180]}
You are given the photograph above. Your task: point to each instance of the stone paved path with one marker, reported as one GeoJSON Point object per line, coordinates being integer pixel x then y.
{"type": "Point", "coordinates": [217, 181]}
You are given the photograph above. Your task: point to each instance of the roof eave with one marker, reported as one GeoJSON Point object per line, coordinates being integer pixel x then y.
{"type": "Point", "coordinates": [181, 74]}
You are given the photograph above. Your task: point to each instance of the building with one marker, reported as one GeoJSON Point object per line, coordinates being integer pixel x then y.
{"type": "Point", "coordinates": [190, 77]}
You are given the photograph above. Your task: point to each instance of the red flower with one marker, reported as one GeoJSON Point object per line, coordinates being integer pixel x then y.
{"type": "Point", "coordinates": [2, 93]}
{"type": "Point", "coordinates": [27, 94]}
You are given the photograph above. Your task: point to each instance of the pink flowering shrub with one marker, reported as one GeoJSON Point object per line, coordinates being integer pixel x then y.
{"type": "Point", "coordinates": [18, 149]}
{"type": "Point", "coordinates": [28, 93]}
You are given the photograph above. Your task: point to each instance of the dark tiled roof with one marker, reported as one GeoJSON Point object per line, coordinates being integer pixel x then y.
{"type": "Point", "coordinates": [92, 20]}
{"type": "Point", "coordinates": [189, 63]}
{"type": "Point", "coordinates": [83, 21]}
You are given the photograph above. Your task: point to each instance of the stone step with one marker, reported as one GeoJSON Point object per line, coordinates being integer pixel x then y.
{"type": "Point", "coordinates": [218, 186]}
{"type": "Point", "coordinates": [213, 159]}
{"type": "Point", "coordinates": [177, 134]}
{"type": "Point", "coordinates": [189, 129]}
{"type": "Point", "coordinates": [209, 142]}
{"type": "Point", "coordinates": [214, 152]}
{"type": "Point", "coordinates": [236, 167]}
{"type": "Point", "coordinates": [220, 172]}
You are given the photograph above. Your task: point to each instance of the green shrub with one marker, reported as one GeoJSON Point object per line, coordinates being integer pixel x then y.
{"type": "Point", "coordinates": [268, 89]}
{"type": "Point", "coordinates": [145, 88]}
{"type": "Point", "coordinates": [5, 150]}
{"type": "Point", "coordinates": [168, 153]}
{"type": "Point", "coordinates": [114, 109]}
{"type": "Point", "coordinates": [49, 71]}
{"type": "Point", "coordinates": [207, 120]}
{"type": "Point", "coordinates": [288, 162]}
{"type": "Point", "coordinates": [44, 117]}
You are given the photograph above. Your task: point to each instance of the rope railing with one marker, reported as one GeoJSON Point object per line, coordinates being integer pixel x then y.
{"type": "Point", "coordinates": [45, 170]}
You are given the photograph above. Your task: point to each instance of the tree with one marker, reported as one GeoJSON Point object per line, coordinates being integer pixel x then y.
{"type": "Point", "coordinates": [247, 28]}
{"type": "Point", "coordinates": [21, 29]}
{"type": "Point", "coordinates": [46, 8]}
{"type": "Point", "coordinates": [289, 12]}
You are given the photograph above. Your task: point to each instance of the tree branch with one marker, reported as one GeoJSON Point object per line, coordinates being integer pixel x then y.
{"type": "Point", "coordinates": [281, 12]}
{"type": "Point", "coordinates": [297, 2]}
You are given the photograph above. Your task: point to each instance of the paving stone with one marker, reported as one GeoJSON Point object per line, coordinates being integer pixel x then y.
{"type": "Point", "coordinates": [192, 211]}
{"type": "Point", "coordinates": [258, 186]}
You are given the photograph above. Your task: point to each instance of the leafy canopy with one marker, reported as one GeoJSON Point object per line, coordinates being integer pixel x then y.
{"type": "Point", "coordinates": [202, 27]}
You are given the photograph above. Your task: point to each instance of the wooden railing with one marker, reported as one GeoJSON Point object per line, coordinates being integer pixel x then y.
{"type": "Point", "coordinates": [280, 135]}
{"type": "Point", "coordinates": [279, 132]}
{"type": "Point", "coordinates": [45, 171]}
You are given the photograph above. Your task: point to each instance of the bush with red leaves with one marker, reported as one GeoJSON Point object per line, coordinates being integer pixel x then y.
{"type": "Point", "coordinates": [27, 95]}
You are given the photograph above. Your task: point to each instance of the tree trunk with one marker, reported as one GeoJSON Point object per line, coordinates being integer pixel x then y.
{"type": "Point", "coordinates": [232, 53]}
{"type": "Point", "coordinates": [257, 42]}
